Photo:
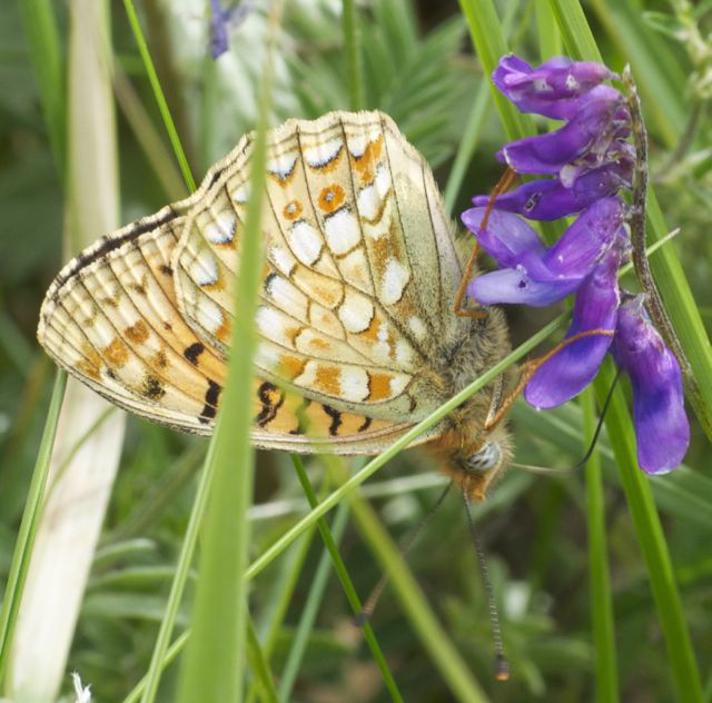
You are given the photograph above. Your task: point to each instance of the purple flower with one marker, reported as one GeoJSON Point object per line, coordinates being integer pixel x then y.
{"type": "Point", "coordinates": [221, 21]}
{"type": "Point", "coordinates": [531, 273]}
{"type": "Point", "coordinates": [661, 425]}
{"type": "Point", "coordinates": [553, 88]}
{"type": "Point", "coordinates": [601, 118]}
{"type": "Point", "coordinates": [567, 373]}
{"type": "Point", "coordinates": [589, 160]}
{"type": "Point", "coordinates": [550, 199]}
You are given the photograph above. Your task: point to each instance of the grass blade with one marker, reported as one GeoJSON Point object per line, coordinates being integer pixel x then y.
{"type": "Point", "coordinates": [604, 640]}
{"type": "Point", "coordinates": [220, 611]}
{"type": "Point", "coordinates": [347, 584]}
{"type": "Point", "coordinates": [352, 47]}
{"type": "Point", "coordinates": [28, 527]}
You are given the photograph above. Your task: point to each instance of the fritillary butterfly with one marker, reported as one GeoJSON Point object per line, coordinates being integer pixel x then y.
{"type": "Point", "coordinates": [358, 338]}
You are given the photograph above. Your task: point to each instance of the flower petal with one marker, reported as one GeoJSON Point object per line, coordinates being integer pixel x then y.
{"type": "Point", "coordinates": [507, 237]}
{"type": "Point", "coordinates": [551, 89]}
{"type": "Point", "coordinates": [661, 425]}
{"type": "Point", "coordinates": [514, 285]}
{"type": "Point", "coordinates": [586, 240]}
{"type": "Point", "coordinates": [592, 128]}
{"type": "Point", "coordinates": [567, 373]}
{"type": "Point", "coordinates": [550, 199]}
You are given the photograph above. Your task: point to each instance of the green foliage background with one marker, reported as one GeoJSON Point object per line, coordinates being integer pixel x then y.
{"type": "Point", "coordinates": [418, 65]}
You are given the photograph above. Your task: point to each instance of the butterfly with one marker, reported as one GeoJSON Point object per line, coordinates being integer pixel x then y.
{"type": "Point", "coordinates": [358, 338]}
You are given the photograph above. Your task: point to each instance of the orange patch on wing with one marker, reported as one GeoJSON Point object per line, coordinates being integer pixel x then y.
{"type": "Point", "coordinates": [223, 332]}
{"type": "Point", "coordinates": [328, 379]}
{"type": "Point", "coordinates": [90, 365]}
{"type": "Point", "coordinates": [116, 353]}
{"type": "Point", "coordinates": [137, 333]}
{"type": "Point", "coordinates": [331, 197]}
{"type": "Point", "coordinates": [379, 386]}
{"type": "Point", "coordinates": [291, 366]}
{"type": "Point", "coordinates": [365, 163]}
{"type": "Point", "coordinates": [292, 210]}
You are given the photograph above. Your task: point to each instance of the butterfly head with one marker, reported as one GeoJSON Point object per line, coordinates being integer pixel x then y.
{"type": "Point", "coordinates": [475, 466]}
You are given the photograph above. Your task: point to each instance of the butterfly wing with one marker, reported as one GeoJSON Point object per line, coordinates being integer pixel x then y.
{"type": "Point", "coordinates": [359, 272]}
{"type": "Point", "coordinates": [360, 265]}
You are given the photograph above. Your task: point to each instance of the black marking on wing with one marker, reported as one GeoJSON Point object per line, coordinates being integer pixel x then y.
{"type": "Point", "coordinates": [211, 402]}
{"type": "Point", "coordinates": [193, 352]}
{"type": "Point", "coordinates": [365, 426]}
{"type": "Point", "coordinates": [335, 416]}
{"type": "Point", "coordinates": [268, 411]}
{"type": "Point", "coordinates": [152, 388]}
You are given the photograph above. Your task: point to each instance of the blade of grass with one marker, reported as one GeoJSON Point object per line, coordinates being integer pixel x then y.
{"type": "Point", "coordinates": [547, 31]}
{"type": "Point", "coordinates": [45, 53]}
{"type": "Point", "coordinates": [649, 531]}
{"type": "Point", "coordinates": [260, 666]}
{"type": "Point", "coordinates": [12, 596]}
{"type": "Point", "coordinates": [352, 51]}
{"type": "Point", "coordinates": [473, 127]}
{"type": "Point", "coordinates": [604, 639]}
{"type": "Point", "coordinates": [667, 270]}
{"type": "Point", "coordinates": [220, 612]}
{"type": "Point", "coordinates": [180, 578]}
{"type": "Point", "coordinates": [310, 609]}
{"type": "Point", "coordinates": [158, 92]}
{"type": "Point", "coordinates": [346, 583]}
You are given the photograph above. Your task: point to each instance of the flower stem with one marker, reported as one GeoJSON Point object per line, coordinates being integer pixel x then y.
{"type": "Point", "coordinates": [653, 301]}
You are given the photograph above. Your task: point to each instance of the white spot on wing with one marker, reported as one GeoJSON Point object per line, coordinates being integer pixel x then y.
{"type": "Point", "coordinates": [204, 269]}
{"type": "Point", "coordinates": [356, 312]}
{"type": "Point", "coordinates": [342, 231]}
{"type": "Point", "coordinates": [355, 270]}
{"type": "Point", "coordinates": [321, 154]}
{"type": "Point", "coordinates": [282, 165]}
{"type": "Point", "coordinates": [368, 202]}
{"type": "Point", "coordinates": [241, 194]}
{"type": "Point", "coordinates": [282, 259]}
{"type": "Point", "coordinates": [305, 242]}
{"type": "Point", "coordinates": [354, 383]}
{"type": "Point", "coordinates": [222, 230]}
{"type": "Point", "coordinates": [393, 283]}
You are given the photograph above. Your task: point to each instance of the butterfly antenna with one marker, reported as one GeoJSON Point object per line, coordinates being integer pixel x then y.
{"type": "Point", "coordinates": [501, 664]}
{"type": "Point", "coordinates": [594, 440]}
{"type": "Point", "coordinates": [372, 601]}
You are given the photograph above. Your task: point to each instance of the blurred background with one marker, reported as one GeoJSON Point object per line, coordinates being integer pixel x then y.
{"type": "Point", "coordinates": [418, 67]}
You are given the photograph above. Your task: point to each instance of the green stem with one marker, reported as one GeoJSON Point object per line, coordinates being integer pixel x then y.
{"type": "Point", "coordinates": [347, 584]}
{"type": "Point", "coordinates": [352, 45]}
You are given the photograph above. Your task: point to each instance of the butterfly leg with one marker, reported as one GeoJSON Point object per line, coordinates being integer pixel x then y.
{"type": "Point", "coordinates": [529, 368]}
{"type": "Point", "coordinates": [459, 308]}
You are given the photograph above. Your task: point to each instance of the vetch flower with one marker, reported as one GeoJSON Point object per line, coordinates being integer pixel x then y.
{"type": "Point", "coordinates": [568, 372]}
{"type": "Point", "coordinates": [533, 274]}
{"type": "Point", "coordinates": [553, 88]}
{"type": "Point", "coordinates": [587, 161]}
{"type": "Point", "coordinates": [661, 425]}
{"type": "Point", "coordinates": [550, 199]}
{"type": "Point", "coordinates": [601, 118]}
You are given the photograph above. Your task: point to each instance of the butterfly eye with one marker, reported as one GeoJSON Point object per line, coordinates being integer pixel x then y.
{"type": "Point", "coordinates": [487, 458]}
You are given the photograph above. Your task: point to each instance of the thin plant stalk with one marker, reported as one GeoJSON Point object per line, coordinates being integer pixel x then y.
{"type": "Point", "coordinates": [158, 92]}
{"type": "Point", "coordinates": [311, 609]}
{"type": "Point", "coordinates": [220, 611]}
{"type": "Point", "coordinates": [346, 582]}
{"type": "Point", "coordinates": [604, 639]}
{"type": "Point", "coordinates": [19, 564]}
